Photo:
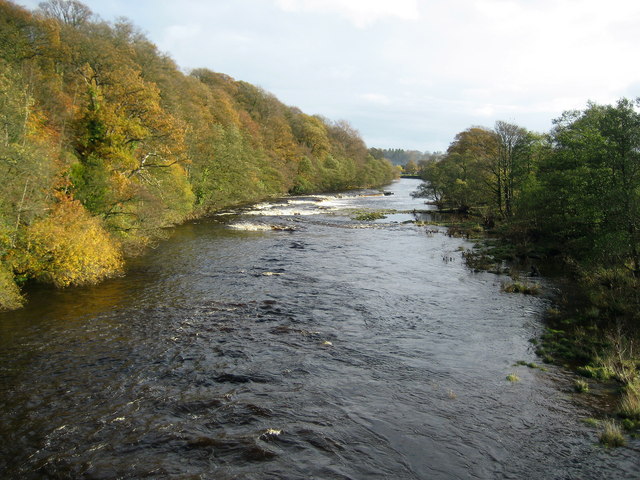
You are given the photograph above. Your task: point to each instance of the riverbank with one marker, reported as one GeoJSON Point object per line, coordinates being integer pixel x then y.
{"type": "Point", "coordinates": [603, 351]}
{"type": "Point", "coordinates": [84, 253]}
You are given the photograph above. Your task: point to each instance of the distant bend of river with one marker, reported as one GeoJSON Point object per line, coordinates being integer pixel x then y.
{"type": "Point", "coordinates": [325, 348]}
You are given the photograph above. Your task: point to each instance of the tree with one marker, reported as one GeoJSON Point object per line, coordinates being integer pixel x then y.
{"type": "Point", "coordinates": [10, 296]}
{"type": "Point", "coordinates": [69, 247]}
{"type": "Point", "coordinates": [28, 172]}
{"type": "Point", "coordinates": [456, 181]}
{"type": "Point", "coordinates": [434, 184]}
{"type": "Point", "coordinates": [591, 183]}
{"type": "Point", "coordinates": [130, 151]}
{"type": "Point", "coordinates": [70, 12]}
{"type": "Point", "coordinates": [466, 162]}
{"type": "Point", "coordinates": [411, 168]}
{"type": "Point", "coordinates": [510, 164]}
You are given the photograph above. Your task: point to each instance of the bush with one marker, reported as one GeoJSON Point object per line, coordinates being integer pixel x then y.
{"type": "Point", "coordinates": [70, 247]}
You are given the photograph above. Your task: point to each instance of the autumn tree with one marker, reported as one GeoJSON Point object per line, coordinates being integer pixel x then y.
{"type": "Point", "coordinates": [69, 247]}
{"type": "Point", "coordinates": [28, 170]}
{"type": "Point", "coordinates": [70, 12]}
{"type": "Point", "coordinates": [131, 154]}
{"type": "Point", "coordinates": [460, 178]}
{"type": "Point", "coordinates": [411, 168]}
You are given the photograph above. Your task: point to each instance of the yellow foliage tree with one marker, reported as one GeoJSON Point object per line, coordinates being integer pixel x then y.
{"type": "Point", "coordinates": [70, 247]}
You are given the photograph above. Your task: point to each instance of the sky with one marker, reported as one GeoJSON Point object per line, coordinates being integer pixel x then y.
{"type": "Point", "coordinates": [406, 74]}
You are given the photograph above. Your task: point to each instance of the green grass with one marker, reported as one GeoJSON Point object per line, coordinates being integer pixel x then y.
{"type": "Point", "coordinates": [612, 436]}
{"type": "Point", "coordinates": [593, 422]}
{"type": "Point", "coordinates": [572, 347]}
{"type": "Point", "coordinates": [597, 373]}
{"type": "Point", "coordinates": [580, 386]}
{"type": "Point", "coordinates": [368, 215]}
{"type": "Point", "coordinates": [630, 403]}
{"type": "Point", "coordinates": [532, 365]}
{"type": "Point", "coordinates": [631, 426]}
{"type": "Point", "coordinates": [521, 287]}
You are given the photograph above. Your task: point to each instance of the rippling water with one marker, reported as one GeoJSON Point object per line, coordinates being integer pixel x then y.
{"type": "Point", "coordinates": [324, 348]}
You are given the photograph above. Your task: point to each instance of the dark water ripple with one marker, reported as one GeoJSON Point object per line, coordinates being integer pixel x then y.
{"type": "Point", "coordinates": [327, 352]}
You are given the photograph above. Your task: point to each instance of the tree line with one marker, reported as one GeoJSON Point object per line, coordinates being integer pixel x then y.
{"type": "Point", "coordinates": [409, 160]}
{"type": "Point", "coordinates": [572, 193]}
{"type": "Point", "coordinates": [104, 143]}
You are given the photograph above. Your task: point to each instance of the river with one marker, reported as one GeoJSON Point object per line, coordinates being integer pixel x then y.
{"type": "Point", "coordinates": [326, 348]}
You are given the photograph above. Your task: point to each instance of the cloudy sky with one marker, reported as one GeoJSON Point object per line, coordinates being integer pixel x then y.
{"type": "Point", "coordinates": [406, 73]}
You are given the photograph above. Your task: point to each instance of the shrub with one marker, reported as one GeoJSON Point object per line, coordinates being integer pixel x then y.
{"type": "Point", "coordinates": [591, 421]}
{"type": "Point", "coordinates": [70, 247]}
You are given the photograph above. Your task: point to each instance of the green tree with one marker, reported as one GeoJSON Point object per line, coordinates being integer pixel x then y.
{"type": "Point", "coordinates": [510, 165]}
{"type": "Point", "coordinates": [460, 179]}
{"type": "Point", "coordinates": [590, 183]}
{"type": "Point", "coordinates": [411, 168]}
{"type": "Point", "coordinates": [131, 153]}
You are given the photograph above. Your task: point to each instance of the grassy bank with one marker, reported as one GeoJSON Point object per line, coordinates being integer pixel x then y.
{"type": "Point", "coordinates": [582, 333]}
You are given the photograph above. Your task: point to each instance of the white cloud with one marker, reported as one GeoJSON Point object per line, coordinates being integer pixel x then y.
{"type": "Point", "coordinates": [341, 73]}
{"type": "Point", "coordinates": [362, 13]}
{"type": "Point", "coordinates": [485, 111]}
{"type": "Point", "coordinates": [182, 32]}
{"type": "Point", "coordinates": [376, 98]}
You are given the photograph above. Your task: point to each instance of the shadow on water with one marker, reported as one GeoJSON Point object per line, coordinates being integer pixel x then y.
{"type": "Point", "coordinates": [334, 348]}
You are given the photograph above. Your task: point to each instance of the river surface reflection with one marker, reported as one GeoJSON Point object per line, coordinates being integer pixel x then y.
{"type": "Point", "coordinates": [289, 340]}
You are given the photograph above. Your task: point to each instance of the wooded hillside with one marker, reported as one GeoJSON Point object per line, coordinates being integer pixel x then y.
{"type": "Point", "coordinates": [104, 142]}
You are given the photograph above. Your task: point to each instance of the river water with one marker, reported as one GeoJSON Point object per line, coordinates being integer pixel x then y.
{"type": "Point", "coordinates": [326, 348]}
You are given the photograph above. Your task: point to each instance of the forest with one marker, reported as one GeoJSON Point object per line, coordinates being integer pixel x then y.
{"type": "Point", "coordinates": [399, 156]}
{"type": "Point", "coordinates": [571, 198]}
{"type": "Point", "coordinates": [105, 142]}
